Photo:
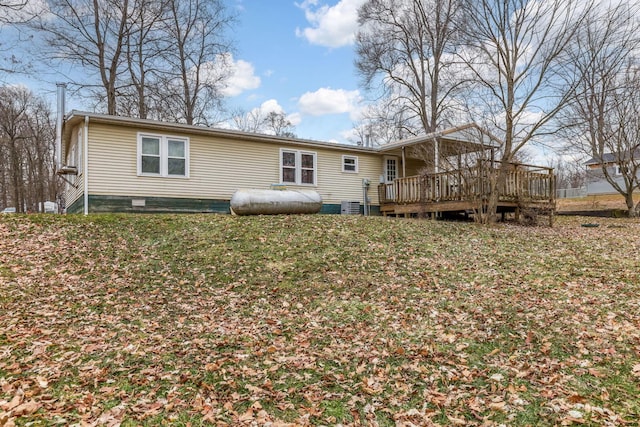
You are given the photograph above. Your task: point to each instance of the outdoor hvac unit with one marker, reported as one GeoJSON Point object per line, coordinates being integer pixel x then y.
{"type": "Point", "coordinates": [349, 207]}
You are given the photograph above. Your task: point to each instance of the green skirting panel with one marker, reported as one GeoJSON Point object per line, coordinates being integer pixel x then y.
{"type": "Point", "coordinates": [103, 204]}
{"type": "Point", "coordinates": [77, 206]}
{"type": "Point", "coordinates": [330, 209]}
{"type": "Point", "coordinates": [106, 204]}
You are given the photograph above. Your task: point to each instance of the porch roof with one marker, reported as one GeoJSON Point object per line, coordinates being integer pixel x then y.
{"type": "Point", "coordinates": [467, 138]}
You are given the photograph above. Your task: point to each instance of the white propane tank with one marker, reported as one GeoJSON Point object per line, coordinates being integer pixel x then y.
{"type": "Point", "coordinates": [273, 202]}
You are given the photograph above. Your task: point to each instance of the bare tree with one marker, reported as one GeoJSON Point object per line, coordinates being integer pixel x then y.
{"type": "Point", "coordinates": [406, 47]}
{"type": "Point", "coordinates": [10, 14]}
{"type": "Point", "coordinates": [27, 177]}
{"type": "Point", "coordinates": [570, 172]}
{"type": "Point", "coordinates": [259, 121]}
{"type": "Point", "coordinates": [195, 58]}
{"type": "Point", "coordinates": [278, 124]}
{"type": "Point", "coordinates": [13, 111]}
{"type": "Point", "coordinates": [515, 50]}
{"type": "Point", "coordinates": [382, 123]}
{"type": "Point", "coordinates": [143, 45]}
{"type": "Point", "coordinates": [90, 34]}
{"type": "Point", "coordinates": [247, 121]}
{"type": "Point", "coordinates": [602, 119]}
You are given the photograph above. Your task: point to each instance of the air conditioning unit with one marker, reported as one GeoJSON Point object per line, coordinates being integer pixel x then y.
{"type": "Point", "coordinates": [350, 207]}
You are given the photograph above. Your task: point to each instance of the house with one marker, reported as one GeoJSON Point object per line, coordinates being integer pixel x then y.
{"type": "Point", "coordinates": [613, 163]}
{"type": "Point", "coordinates": [120, 164]}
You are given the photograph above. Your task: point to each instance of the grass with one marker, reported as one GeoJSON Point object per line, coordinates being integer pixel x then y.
{"type": "Point", "coordinates": [317, 320]}
{"type": "Point", "coordinates": [594, 202]}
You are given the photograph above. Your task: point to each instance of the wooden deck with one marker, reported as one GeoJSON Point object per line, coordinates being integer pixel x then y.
{"type": "Point", "coordinates": [526, 189]}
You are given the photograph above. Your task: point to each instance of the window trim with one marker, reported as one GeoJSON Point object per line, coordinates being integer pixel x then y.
{"type": "Point", "coordinates": [295, 166]}
{"type": "Point", "coordinates": [73, 158]}
{"type": "Point", "coordinates": [80, 159]}
{"type": "Point", "coordinates": [298, 167]}
{"type": "Point", "coordinates": [164, 155]}
{"type": "Point", "coordinates": [355, 163]}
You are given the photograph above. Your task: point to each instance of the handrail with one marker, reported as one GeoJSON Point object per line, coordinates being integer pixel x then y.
{"type": "Point", "coordinates": [521, 182]}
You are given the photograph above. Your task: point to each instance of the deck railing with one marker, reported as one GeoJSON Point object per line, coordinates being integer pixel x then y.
{"type": "Point", "coordinates": [522, 182]}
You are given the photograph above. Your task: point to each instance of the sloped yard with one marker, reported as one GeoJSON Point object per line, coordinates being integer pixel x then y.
{"type": "Point", "coordinates": [606, 204]}
{"type": "Point", "coordinates": [317, 320]}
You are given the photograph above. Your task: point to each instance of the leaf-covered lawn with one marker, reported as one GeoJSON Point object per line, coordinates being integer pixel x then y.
{"type": "Point", "coordinates": [317, 320]}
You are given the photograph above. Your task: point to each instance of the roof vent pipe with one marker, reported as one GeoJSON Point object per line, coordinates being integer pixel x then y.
{"type": "Point", "coordinates": [61, 89]}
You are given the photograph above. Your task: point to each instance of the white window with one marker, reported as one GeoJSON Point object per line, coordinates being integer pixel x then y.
{"type": "Point", "coordinates": [160, 155]}
{"type": "Point", "coordinates": [620, 169]}
{"type": "Point", "coordinates": [297, 167]}
{"type": "Point", "coordinates": [79, 144]}
{"type": "Point", "coordinates": [73, 161]}
{"type": "Point", "coordinates": [350, 164]}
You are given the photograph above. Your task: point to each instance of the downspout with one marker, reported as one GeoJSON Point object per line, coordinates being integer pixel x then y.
{"type": "Point", "coordinates": [85, 162]}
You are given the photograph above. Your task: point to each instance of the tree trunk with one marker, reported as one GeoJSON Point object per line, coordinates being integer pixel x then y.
{"type": "Point", "coordinates": [497, 179]}
{"type": "Point", "coordinates": [631, 208]}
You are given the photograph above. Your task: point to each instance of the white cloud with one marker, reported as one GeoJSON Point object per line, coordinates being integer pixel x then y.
{"type": "Point", "coordinates": [331, 26]}
{"type": "Point", "coordinates": [295, 118]}
{"type": "Point", "coordinates": [241, 77]}
{"type": "Point", "coordinates": [270, 106]}
{"type": "Point", "coordinates": [352, 135]}
{"type": "Point", "coordinates": [330, 101]}
{"type": "Point", "coordinates": [232, 76]}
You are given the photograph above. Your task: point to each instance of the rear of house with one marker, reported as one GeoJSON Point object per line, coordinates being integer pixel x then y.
{"type": "Point", "coordinates": [117, 164]}
{"type": "Point", "coordinates": [120, 164]}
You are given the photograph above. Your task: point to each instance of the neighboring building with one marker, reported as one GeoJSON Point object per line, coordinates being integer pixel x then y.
{"type": "Point", "coordinates": [596, 181]}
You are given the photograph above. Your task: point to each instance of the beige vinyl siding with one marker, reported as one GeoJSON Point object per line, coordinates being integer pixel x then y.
{"type": "Point", "coordinates": [335, 186]}
{"type": "Point", "coordinates": [413, 166]}
{"type": "Point", "coordinates": [73, 193]}
{"type": "Point", "coordinates": [217, 167]}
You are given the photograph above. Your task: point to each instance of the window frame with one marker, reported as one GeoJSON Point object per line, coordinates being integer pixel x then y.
{"type": "Point", "coordinates": [163, 155]}
{"type": "Point", "coordinates": [73, 159]}
{"type": "Point", "coordinates": [355, 163]}
{"type": "Point", "coordinates": [80, 159]}
{"type": "Point", "coordinates": [298, 167]}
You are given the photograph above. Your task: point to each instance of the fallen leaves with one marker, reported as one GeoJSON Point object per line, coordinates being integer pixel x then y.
{"type": "Point", "coordinates": [357, 321]}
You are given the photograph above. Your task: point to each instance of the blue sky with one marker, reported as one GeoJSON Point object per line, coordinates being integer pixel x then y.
{"type": "Point", "coordinates": [291, 56]}
{"type": "Point", "coordinates": [297, 58]}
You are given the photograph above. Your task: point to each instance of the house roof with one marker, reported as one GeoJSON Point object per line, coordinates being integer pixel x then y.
{"type": "Point", "coordinates": [469, 133]}
{"type": "Point", "coordinates": [77, 117]}
{"type": "Point", "coordinates": [469, 136]}
{"type": "Point", "coordinates": [613, 158]}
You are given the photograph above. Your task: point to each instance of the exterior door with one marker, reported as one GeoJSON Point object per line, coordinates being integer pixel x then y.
{"type": "Point", "coordinates": [390, 174]}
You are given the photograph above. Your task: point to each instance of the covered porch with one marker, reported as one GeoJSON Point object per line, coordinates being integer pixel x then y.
{"type": "Point", "coordinates": [452, 172]}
